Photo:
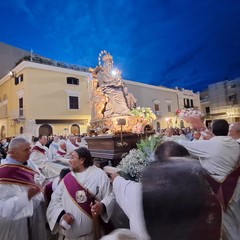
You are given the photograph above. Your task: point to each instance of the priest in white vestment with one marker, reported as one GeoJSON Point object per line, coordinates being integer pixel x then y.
{"type": "Point", "coordinates": [62, 150]}
{"type": "Point", "coordinates": [40, 153]}
{"type": "Point", "coordinates": [42, 157]}
{"type": "Point", "coordinates": [220, 156]}
{"type": "Point", "coordinates": [53, 147]}
{"type": "Point", "coordinates": [71, 144]}
{"type": "Point", "coordinates": [84, 196]}
{"type": "Point", "coordinates": [22, 214]}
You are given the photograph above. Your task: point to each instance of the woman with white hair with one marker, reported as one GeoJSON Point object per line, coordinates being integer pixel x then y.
{"type": "Point", "coordinates": [62, 149]}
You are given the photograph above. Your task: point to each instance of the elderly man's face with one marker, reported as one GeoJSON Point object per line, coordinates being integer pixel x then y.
{"type": "Point", "coordinates": [63, 146]}
{"type": "Point", "coordinates": [21, 153]}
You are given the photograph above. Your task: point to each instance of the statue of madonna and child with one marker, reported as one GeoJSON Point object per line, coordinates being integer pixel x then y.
{"type": "Point", "coordinates": [110, 97]}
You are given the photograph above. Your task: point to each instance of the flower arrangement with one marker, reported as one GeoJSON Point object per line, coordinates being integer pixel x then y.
{"type": "Point", "coordinates": [193, 117]}
{"type": "Point", "coordinates": [133, 164]}
{"type": "Point", "coordinates": [144, 112]}
{"type": "Point", "coordinates": [189, 112]}
{"type": "Point", "coordinates": [149, 145]}
{"type": "Point", "coordinates": [138, 128]}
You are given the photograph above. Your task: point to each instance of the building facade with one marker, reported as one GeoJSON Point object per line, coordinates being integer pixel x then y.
{"type": "Point", "coordinates": [41, 99]}
{"type": "Point", "coordinates": [42, 96]}
{"type": "Point", "coordinates": [164, 102]}
{"type": "Point", "coordinates": [222, 100]}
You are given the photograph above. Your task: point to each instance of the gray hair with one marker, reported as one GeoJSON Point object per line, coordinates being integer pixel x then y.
{"type": "Point", "coordinates": [61, 142]}
{"type": "Point", "coordinates": [16, 142]}
{"type": "Point", "coordinates": [236, 126]}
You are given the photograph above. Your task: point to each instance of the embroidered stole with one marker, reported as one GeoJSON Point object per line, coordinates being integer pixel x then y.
{"type": "Point", "coordinates": [61, 153]}
{"type": "Point", "coordinates": [17, 174]}
{"type": "Point", "coordinates": [73, 186]}
{"type": "Point", "coordinates": [225, 190]}
{"type": "Point", "coordinates": [37, 148]}
{"type": "Point", "coordinates": [48, 191]}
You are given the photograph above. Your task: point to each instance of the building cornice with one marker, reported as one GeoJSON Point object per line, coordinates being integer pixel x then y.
{"type": "Point", "coordinates": [150, 86]}
{"type": "Point", "coordinates": [33, 65]}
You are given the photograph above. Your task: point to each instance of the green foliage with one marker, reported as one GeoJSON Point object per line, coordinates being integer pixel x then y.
{"type": "Point", "coordinates": [149, 144]}
{"type": "Point", "coordinates": [144, 112]}
{"type": "Point", "coordinates": [133, 164]}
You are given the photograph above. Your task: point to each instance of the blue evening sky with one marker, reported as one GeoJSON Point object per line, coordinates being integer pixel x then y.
{"type": "Point", "coordinates": [184, 43]}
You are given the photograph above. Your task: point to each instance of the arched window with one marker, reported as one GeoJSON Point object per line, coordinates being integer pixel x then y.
{"type": "Point", "coordinates": [21, 130]}
{"type": "Point", "coordinates": [3, 132]}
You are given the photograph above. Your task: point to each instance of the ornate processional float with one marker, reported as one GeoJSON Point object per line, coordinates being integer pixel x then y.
{"type": "Point", "coordinates": [116, 122]}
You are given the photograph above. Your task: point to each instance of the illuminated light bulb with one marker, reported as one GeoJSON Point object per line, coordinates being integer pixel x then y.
{"type": "Point", "coordinates": [114, 72]}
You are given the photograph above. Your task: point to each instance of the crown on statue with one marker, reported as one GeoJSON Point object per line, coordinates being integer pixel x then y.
{"type": "Point", "coordinates": [107, 58]}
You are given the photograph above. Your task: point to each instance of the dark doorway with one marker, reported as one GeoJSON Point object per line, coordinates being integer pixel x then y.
{"type": "Point", "coordinates": [45, 130]}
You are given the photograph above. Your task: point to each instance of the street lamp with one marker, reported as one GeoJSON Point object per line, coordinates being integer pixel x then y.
{"type": "Point", "coordinates": [12, 74]}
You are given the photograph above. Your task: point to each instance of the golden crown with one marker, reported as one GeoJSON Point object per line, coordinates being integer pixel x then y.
{"type": "Point", "coordinates": [107, 58]}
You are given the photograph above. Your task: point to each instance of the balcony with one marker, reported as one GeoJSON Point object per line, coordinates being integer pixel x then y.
{"type": "Point", "coordinates": [18, 115]}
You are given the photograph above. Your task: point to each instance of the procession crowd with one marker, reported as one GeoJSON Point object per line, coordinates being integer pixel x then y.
{"type": "Point", "coordinates": [190, 191]}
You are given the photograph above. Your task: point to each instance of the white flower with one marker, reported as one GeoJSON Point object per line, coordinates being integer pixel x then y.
{"type": "Point", "coordinates": [145, 113]}
{"type": "Point", "coordinates": [189, 112]}
{"type": "Point", "coordinates": [136, 160]}
{"type": "Point", "coordinates": [138, 128]}
{"type": "Point", "coordinates": [134, 163]}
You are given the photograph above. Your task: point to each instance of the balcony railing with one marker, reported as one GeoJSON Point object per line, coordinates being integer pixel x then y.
{"type": "Point", "coordinates": [47, 61]}
{"type": "Point", "coordinates": [21, 112]}
{"type": "Point", "coordinates": [18, 115]}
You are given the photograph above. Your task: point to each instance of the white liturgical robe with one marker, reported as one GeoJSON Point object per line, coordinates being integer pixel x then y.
{"type": "Point", "coordinates": [129, 197]}
{"type": "Point", "coordinates": [40, 154]}
{"type": "Point", "coordinates": [96, 181]}
{"type": "Point", "coordinates": [220, 156]}
{"type": "Point", "coordinates": [21, 218]}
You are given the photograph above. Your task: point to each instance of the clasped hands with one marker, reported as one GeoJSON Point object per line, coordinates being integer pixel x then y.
{"type": "Point", "coordinates": [97, 208]}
